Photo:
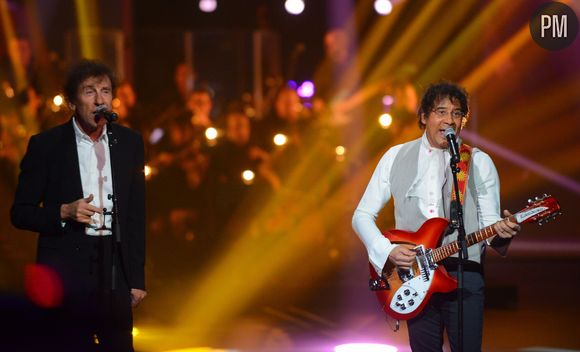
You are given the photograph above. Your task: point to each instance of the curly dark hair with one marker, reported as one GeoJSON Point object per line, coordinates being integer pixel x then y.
{"type": "Point", "coordinates": [442, 90]}
{"type": "Point", "coordinates": [80, 72]}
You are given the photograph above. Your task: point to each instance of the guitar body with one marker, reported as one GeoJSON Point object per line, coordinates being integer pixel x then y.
{"type": "Point", "coordinates": [404, 293]}
{"type": "Point", "coordinates": [412, 290]}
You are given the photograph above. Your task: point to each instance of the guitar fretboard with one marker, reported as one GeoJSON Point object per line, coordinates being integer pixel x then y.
{"type": "Point", "coordinates": [453, 247]}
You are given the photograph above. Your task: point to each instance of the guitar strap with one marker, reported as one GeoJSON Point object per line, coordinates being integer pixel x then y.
{"type": "Point", "coordinates": [463, 165]}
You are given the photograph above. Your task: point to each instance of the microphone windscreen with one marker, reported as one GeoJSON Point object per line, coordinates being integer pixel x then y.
{"type": "Point", "coordinates": [449, 132]}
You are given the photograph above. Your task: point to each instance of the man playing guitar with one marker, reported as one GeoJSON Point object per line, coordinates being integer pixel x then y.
{"type": "Point", "coordinates": [417, 176]}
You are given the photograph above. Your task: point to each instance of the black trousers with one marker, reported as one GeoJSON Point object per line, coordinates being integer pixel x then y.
{"type": "Point", "coordinates": [440, 314]}
{"type": "Point", "coordinates": [94, 316]}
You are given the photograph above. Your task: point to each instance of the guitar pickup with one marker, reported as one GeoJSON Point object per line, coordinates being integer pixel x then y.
{"type": "Point", "coordinates": [430, 262]}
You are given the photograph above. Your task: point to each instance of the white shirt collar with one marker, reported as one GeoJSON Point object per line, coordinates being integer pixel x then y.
{"type": "Point", "coordinates": [80, 135]}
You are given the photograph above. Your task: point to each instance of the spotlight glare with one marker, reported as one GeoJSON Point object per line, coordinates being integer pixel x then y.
{"type": "Point", "coordinates": [280, 139]}
{"type": "Point", "coordinates": [306, 89]}
{"type": "Point", "coordinates": [340, 150]}
{"type": "Point", "coordinates": [365, 347]}
{"type": "Point", "coordinates": [135, 331]}
{"type": "Point", "coordinates": [208, 5]}
{"type": "Point", "coordinates": [385, 120]}
{"type": "Point", "coordinates": [294, 7]}
{"type": "Point", "coordinates": [211, 133]}
{"type": "Point", "coordinates": [57, 100]}
{"type": "Point", "coordinates": [383, 7]}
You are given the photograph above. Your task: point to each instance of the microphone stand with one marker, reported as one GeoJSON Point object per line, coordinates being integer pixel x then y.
{"type": "Point", "coordinates": [116, 227]}
{"type": "Point", "coordinates": [457, 224]}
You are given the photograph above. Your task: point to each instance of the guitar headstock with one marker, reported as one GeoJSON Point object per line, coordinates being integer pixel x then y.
{"type": "Point", "coordinates": [541, 210]}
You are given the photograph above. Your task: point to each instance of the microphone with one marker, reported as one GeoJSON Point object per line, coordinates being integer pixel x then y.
{"type": "Point", "coordinates": [108, 115]}
{"type": "Point", "coordinates": [453, 147]}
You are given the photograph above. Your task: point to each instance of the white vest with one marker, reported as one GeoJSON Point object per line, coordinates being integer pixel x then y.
{"type": "Point", "coordinates": [408, 216]}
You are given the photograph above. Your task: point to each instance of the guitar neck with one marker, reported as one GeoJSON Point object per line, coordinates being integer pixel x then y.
{"type": "Point", "coordinates": [453, 247]}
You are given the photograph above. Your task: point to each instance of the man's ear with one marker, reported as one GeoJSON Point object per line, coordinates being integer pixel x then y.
{"type": "Point", "coordinates": [423, 118]}
{"type": "Point", "coordinates": [71, 106]}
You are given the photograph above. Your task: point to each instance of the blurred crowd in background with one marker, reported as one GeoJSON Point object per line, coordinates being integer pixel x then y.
{"type": "Point", "coordinates": [212, 165]}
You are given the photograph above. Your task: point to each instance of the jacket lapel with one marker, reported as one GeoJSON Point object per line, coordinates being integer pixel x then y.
{"type": "Point", "coordinates": [72, 186]}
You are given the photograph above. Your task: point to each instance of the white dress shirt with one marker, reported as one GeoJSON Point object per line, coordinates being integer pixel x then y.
{"type": "Point", "coordinates": [95, 168]}
{"type": "Point", "coordinates": [427, 186]}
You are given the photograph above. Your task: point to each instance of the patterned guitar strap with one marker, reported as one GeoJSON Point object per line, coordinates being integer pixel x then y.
{"type": "Point", "coordinates": [463, 174]}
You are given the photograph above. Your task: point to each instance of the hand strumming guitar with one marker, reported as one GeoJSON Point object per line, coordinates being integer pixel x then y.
{"type": "Point", "coordinates": [402, 256]}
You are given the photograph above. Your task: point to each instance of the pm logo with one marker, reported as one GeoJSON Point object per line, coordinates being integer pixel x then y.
{"type": "Point", "coordinates": [554, 26]}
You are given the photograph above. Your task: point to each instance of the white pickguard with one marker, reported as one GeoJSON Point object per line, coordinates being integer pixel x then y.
{"type": "Point", "coordinates": [411, 294]}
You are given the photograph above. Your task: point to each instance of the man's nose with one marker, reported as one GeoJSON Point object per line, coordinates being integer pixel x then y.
{"type": "Point", "coordinates": [449, 120]}
{"type": "Point", "coordinates": [99, 100]}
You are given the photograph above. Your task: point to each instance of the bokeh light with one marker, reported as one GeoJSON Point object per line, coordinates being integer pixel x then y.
{"type": "Point", "coordinates": [208, 5]}
{"type": "Point", "coordinates": [248, 177]}
{"type": "Point", "coordinates": [280, 139]}
{"type": "Point", "coordinates": [388, 100]}
{"type": "Point", "coordinates": [306, 90]}
{"type": "Point", "coordinates": [383, 7]}
{"type": "Point", "coordinates": [294, 7]}
{"type": "Point", "coordinates": [211, 133]}
{"type": "Point", "coordinates": [58, 100]}
{"type": "Point", "coordinates": [385, 120]}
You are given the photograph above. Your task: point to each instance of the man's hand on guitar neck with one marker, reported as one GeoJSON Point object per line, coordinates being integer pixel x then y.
{"type": "Point", "coordinates": [505, 228]}
{"type": "Point", "coordinates": [402, 256]}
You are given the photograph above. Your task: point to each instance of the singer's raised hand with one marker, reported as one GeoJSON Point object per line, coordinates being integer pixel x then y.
{"type": "Point", "coordinates": [80, 210]}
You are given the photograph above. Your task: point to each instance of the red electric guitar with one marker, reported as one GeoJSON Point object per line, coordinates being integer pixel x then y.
{"type": "Point", "coordinates": [403, 293]}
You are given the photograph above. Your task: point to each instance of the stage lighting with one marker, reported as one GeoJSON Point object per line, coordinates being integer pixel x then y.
{"type": "Point", "coordinates": [306, 90]}
{"type": "Point", "coordinates": [280, 139]}
{"type": "Point", "coordinates": [365, 347]}
{"type": "Point", "coordinates": [383, 7]}
{"type": "Point", "coordinates": [385, 120]}
{"type": "Point", "coordinates": [135, 331]}
{"type": "Point", "coordinates": [294, 7]}
{"type": "Point", "coordinates": [340, 150]}
{"type": "Point", "coordinates": [208, 5]}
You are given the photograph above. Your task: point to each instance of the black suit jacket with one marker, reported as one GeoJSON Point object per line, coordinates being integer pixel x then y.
{"type": "Point", "coordinates": [50, 176]}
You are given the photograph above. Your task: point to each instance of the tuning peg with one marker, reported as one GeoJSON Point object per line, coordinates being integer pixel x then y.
{"type": "Point", "coordinates": [545, 195]}
{"type": "Point", "coordinates": [537, 198]}
{"type": "Point", "coordinates": [541, 222]}
{"type": "Point", "coordinates": [530, 201]}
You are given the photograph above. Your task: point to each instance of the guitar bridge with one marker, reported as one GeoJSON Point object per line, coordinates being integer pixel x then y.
{"type": "Point", "coordinates": [423, 263]}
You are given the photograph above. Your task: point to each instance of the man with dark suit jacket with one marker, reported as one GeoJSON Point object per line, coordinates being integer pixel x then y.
{"type": "Point", "coordinates": [64, 187]}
